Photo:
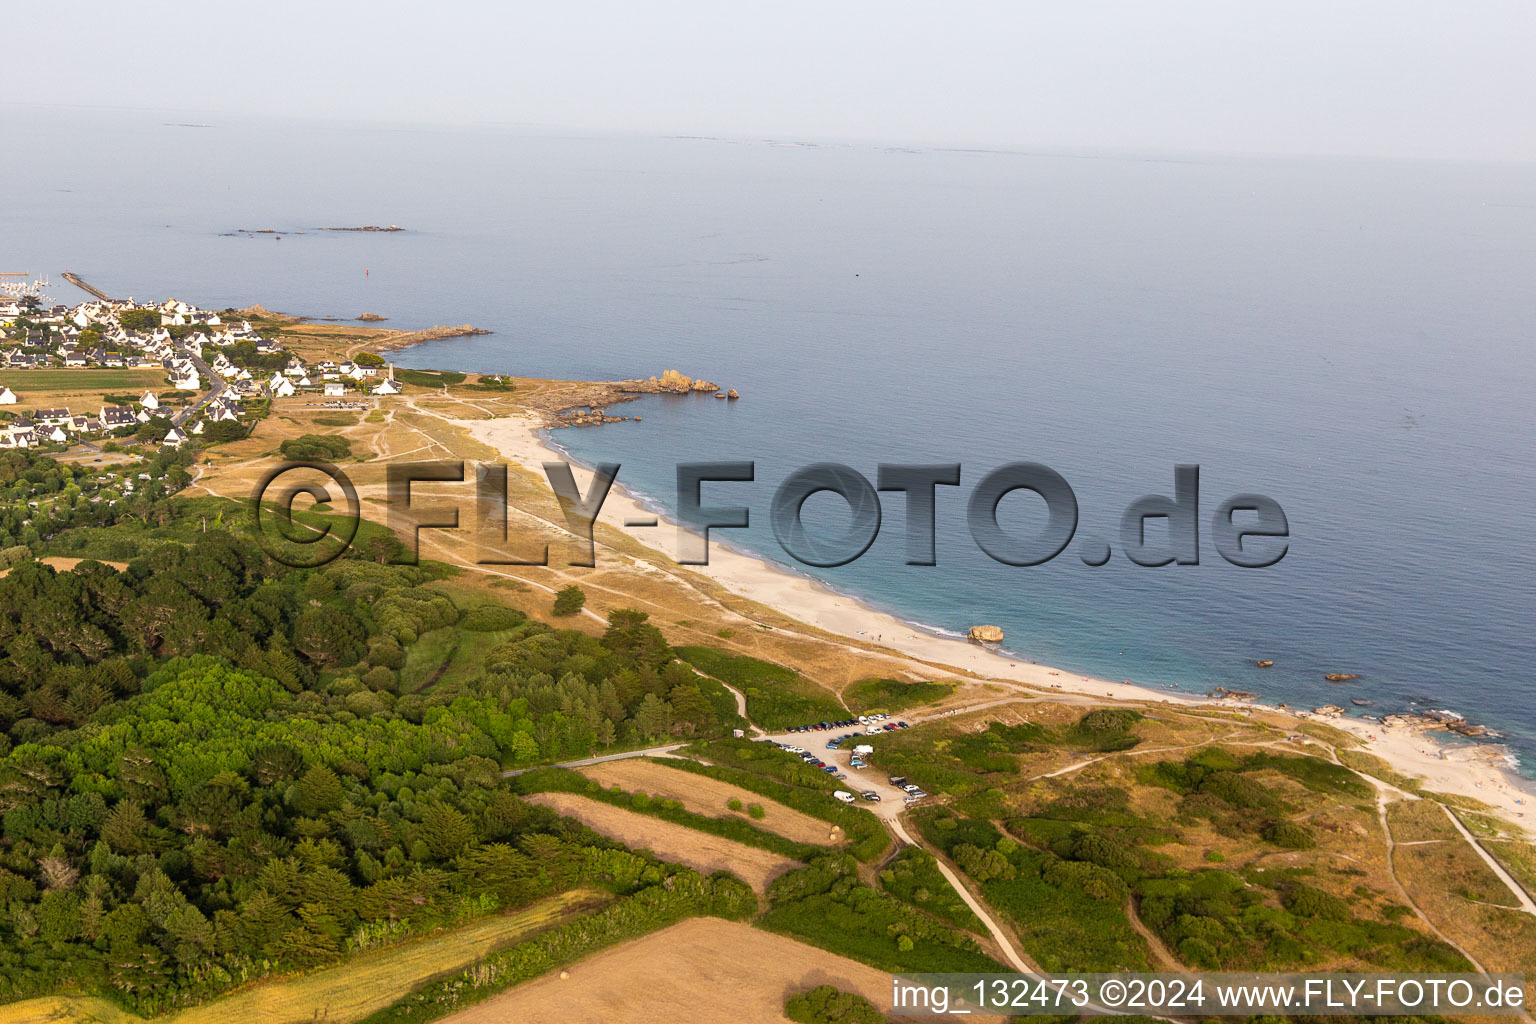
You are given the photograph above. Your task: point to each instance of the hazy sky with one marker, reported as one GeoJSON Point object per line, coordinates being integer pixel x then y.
{"type": "Point", "coordinates": [1450, 78]}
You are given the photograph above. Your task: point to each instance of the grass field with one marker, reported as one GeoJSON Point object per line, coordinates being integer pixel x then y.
{"type": "Point", "coordinates": [25, 382]}
{"type": "Point", "coordinates": [345, 992]}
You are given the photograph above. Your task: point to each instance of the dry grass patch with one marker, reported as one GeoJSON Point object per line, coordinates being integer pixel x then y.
{"type": "Point", "coordinates": [1518, 858]}
{"type": "Point", "coordinates": [703, 795]}
{"type": "Point", "coordinates": [63, 564]}
{"type": "Point", "coordinates": [703, 969]}
{"type": "Point", "coordinates": [348, 991]}
{"type": "Point", "coordinates": [677, 843]}
{"type": "Point", "coordinates": [1418, 821]}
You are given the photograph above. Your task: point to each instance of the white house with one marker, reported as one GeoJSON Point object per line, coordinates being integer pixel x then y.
{"type": "Point", "coordinates": [386, 387]}
{"type": "Point", "coordinates": [197, 428]}
{"type": "Point", "coordinates": [285, 389]}
{"type": "Point", "coordinates": [150, 401]}
{"type": "Point", "coordinates": [7, 396]}
{"type": "Point", "coordinates": [335, 389]}
{"type": "Point", "coordinates": [174, 438]}
{"type": "Point", "coordinates": [57, 434]}
{"type": "Point", "coordinates": [114, 416]}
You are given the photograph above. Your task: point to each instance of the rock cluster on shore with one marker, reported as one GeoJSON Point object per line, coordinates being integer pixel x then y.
{"type": "Point", "coordinates": [986, 634]}
{"type": "Point", "coordinates": [1425, 720]}
{"type": "Point", "coordinates": [437, 333]}
{"type": "Point", "coordinates": [670, 382]}
{"type": "Point", "coordinates": [587, 418]}
{"type": "Point", "coordinates": [595, 397]}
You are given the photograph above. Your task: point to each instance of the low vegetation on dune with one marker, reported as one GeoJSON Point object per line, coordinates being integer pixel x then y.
{"type": "Point", "coordinates": [892, 695]}
{"type": "Point", "coordinates": [914, 876]}
{"type": "Point", "coordinates": [826, 905]}
{"type": "Point", "coordinates": [1094, 868]}
{"type": "Point", "coordinates": [777, 697]}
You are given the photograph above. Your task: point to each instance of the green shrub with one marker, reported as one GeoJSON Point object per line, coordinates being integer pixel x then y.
{"type": "Point", "coordinates": [826, 1004]}
{"type": "Point", "coordinates": [826, 905]}
{"type": "Point", "coordinates": [913, 876]}
{"type": "Point", "coordinates": [569, 600]}
{"type": "Point", "coordinates": [316, 448]}
{"type": "Point", "coordinates": [1291, 835]}
{"type": "Point", "coordinates": [491, 618]}
{"type": "Point", "coordinates": [1305, 901]}
{"type": "Point", "coordinates": [982, 865]}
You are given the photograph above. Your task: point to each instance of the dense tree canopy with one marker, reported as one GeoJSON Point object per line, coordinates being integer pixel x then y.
{"type": "Point", "coordinates": [210, 772]}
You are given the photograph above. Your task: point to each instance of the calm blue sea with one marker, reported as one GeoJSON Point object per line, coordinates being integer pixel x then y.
{"type": "Point", "coordinates": [1353, 339]}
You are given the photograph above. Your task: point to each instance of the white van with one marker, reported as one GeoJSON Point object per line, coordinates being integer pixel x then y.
{"type": "Point", "coordinates": [863, 748]}
{"type": "Point", "coordinates": [845, 796]}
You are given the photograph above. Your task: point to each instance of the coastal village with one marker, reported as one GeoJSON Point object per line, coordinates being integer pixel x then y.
{"type": "Point", "coordinates": [198, 374]}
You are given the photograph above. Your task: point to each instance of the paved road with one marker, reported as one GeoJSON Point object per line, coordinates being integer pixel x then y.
{"type": "Point", "coordinates": [214, 391]}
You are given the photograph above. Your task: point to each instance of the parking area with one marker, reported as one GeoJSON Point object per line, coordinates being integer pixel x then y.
{"type": "Point", "coordinates": [838, 748]}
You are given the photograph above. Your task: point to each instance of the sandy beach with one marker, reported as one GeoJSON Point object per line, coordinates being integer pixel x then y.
{"type": "Point", "coordinates": [1409, 752]}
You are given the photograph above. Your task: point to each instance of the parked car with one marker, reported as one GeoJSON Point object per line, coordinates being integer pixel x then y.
{"type": "Point", "coordinates": [871, 796]}
{"type": "Point", "coordinates": [845, 796]}
{"type": "Point", "coordinates": [898, 780]}
{"type": "Point", "coordinates": [902, 725]}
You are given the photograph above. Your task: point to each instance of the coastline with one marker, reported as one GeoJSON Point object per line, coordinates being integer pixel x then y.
{"type": "Point", "coordinates": [801, 598]}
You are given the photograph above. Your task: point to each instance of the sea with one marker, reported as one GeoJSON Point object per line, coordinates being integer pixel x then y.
{"type": "Point", "coordinates": [1352, 339]}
